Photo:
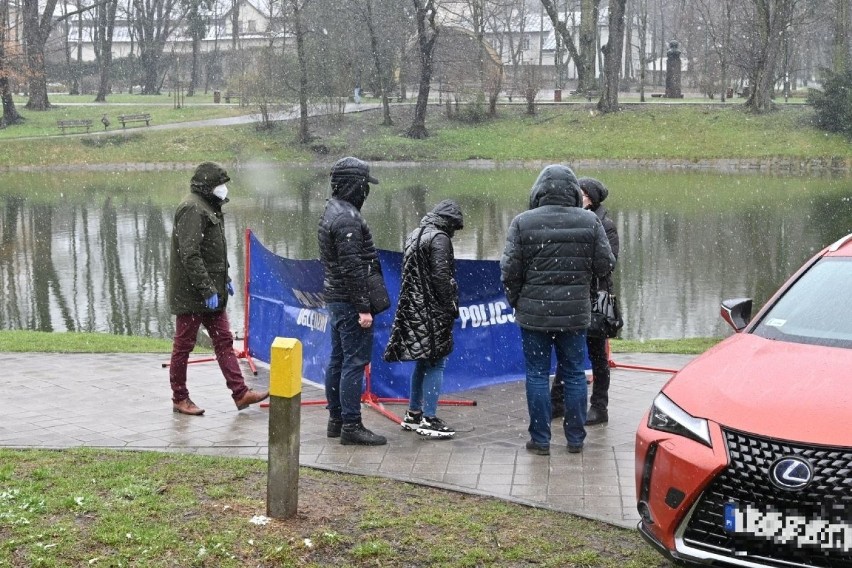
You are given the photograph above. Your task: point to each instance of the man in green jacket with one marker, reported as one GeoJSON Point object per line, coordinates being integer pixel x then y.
{"type": "Point", "coordinates": [199, 287]}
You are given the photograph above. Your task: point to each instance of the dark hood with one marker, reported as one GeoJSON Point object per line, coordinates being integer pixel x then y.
{"type": "Point", "coordinates": [595, 189]}
{"type": "Point", "coordinates": [556, 185]}
{"type": "Point", "coordinates": [353, 189]}
{"type": "Point", "coordinates": [446, 216]}
{"type": "Point", "coordinates": [206, 178]}
{"type": "Point", "coordinates": [350, 180]}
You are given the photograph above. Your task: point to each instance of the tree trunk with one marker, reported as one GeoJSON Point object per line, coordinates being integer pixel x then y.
{"type": "Point", "coordinates": [10, 113]}
{"type": "Point", "coordinates": [150, 73]}
{"type": "Point", "coordinates": [194, 71]}
{"type": "Point", "coordinates": [36, 30]}
{"type": "Point", "coordinates": [628, 43]}
{"type": "Point", "coordinates": [426, 38]}
{"type": "Point", "coordinates": [612, 57]}
{"type": "Point", "coordinates": [304, 135]}
{"type": "Point", "coordinates": [773, 19]}
{"type": "Point", "coordinates": [588, 42]}
{"type": "Point", "coordinates": [381, 71]}
{"type": "Point", "coordinates": [106, 25]}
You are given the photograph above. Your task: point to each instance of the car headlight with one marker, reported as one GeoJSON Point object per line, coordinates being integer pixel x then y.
{"type": "Point", "coordinates": [666, 416]}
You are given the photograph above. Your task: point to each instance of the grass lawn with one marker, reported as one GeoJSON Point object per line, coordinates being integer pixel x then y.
{"type": "Point", "coordinates": [87, 507]}
{"type": "Point", "coordinates": [682, 133]}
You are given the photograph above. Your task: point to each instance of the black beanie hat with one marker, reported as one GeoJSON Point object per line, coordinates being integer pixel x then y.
{"type": "Point", "coordinates": [596, 190]}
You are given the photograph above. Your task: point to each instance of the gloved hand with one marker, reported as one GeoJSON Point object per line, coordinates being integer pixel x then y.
{"type": "Point", "coordinates": [213, 301]}
{"type": "Point", "coordinates": [230, 289]}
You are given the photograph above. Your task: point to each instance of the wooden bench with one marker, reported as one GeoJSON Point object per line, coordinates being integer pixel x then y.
{"type": "Point", "coordinates": [235, 98]}
{"type": "Point", "coordinates": [74, 123]}
{"type": "Point", "coordinates": [125, 118]}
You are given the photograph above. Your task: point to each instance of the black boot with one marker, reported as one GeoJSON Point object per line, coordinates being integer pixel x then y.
{"type": "Point", "coordinates": [335, 425]}
{"type": "Point", "coordinates": [596, 416]}
{"type": "Point", "coordinates": [355, 434]}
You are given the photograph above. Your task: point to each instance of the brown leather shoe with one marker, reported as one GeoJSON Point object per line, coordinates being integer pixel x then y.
{"type": "Point", "coordinates": [250, 397]}
{"type": "Point", "coordinates": [186, 406]}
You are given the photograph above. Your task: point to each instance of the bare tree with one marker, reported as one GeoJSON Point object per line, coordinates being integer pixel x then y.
{"type": "Point", "coordinates": [584, 58]}
{"type": "Point", "coordinates": [771, 21]}
{"type": "Point", "coordinates": [37, 26]}
{"type": "Point", "coordinates": [508, 23]}
{"type": "Point", "coordinates": [297, 8]}
{"type": "Point", "coordinates": [154, 21]}
{"type": "Point", "coordinates": [235, 24]}
{"type": "Point", "coordinates": [105, 16]}
{"type": "Point", "coordinates": [196, 24]}
{"type": "Point", "coordinates": [7, 55]}
{"type": "Point", "coordinates": [427, 34]}
{"type": "Point", "coordinates": [642, 37]}
{"type": "Point", "coordinates": [370, 13]}
{"type": "Point", "coordinates": [718, 19]}
{"type": "Point", "coordinates": [612, 57]}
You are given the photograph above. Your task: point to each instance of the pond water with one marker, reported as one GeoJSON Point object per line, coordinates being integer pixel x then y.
{"type": "Point", "coordinates": [89, 251]}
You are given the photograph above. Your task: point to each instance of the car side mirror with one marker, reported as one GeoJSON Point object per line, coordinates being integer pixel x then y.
{"type": "Point", "coordinates": [737, 312]}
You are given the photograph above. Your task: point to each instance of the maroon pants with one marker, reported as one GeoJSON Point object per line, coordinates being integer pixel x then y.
{"type": "Point", "coordinates": [186, 333]}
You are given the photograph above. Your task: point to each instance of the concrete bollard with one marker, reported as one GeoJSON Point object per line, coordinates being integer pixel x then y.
{"type": "Point", "coordinates": [285, 399]}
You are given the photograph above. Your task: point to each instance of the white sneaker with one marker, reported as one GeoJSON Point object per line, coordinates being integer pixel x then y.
{"type": "Point", "coordinates": [434, 427]}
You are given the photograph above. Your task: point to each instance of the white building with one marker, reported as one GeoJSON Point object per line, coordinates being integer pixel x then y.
{"type": "Point", "coordinates": [255, 29]}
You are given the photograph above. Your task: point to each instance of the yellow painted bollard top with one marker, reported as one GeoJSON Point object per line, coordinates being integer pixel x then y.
{"type": "Point", "coordinates": [285, 367]}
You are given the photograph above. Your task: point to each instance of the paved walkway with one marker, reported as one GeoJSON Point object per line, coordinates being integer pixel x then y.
{"type": "Point", "coordinates": [123, 402]}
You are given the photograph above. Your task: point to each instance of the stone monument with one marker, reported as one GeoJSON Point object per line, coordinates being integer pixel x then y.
{"type": "Point", "coordinates": [673, 71]}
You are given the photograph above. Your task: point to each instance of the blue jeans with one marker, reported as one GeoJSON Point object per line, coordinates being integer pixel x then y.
{"type": "Point", "coordinates": [570, 353]}
{"type": "Point", "coordinates": [351, 347]}
{"type": "Point", "coordinates": [426, 381]}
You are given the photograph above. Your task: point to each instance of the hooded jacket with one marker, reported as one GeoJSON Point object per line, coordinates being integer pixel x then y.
{"type": "Point", "coordinates": [429, 295]}
{"type": "Point", "coordinates": [552, 252]}
{"type": "Point", "coordinates": [198, 266]}
{"type": "Point", "coordinates": [346, 244]}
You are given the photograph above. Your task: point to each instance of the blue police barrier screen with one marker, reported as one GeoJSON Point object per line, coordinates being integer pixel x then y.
{"type": "Point", "coordinates": [285, 300]}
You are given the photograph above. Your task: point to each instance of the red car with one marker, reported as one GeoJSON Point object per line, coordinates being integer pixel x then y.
{"type": "Point", "coordinates": [745, 456]}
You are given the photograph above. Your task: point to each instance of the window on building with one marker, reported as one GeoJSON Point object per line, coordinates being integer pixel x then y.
{"type": "Point", "coordinates": [525, 43]}
{"type": "Point", "coordinates": [252, 26]}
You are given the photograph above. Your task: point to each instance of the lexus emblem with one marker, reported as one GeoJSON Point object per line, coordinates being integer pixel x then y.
{"type": "Point", "coordinates": [791, 473]}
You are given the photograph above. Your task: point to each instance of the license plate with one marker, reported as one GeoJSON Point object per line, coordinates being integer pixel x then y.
{"type": "Point", "coordinates": [787, 528]}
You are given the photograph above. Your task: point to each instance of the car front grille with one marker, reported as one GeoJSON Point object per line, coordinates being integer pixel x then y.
{"type": "Point", "coordinates": [746, 481]}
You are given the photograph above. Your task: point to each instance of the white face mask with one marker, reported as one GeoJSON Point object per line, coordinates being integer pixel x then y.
{"type": "Point", "coordinates": [221, 191]}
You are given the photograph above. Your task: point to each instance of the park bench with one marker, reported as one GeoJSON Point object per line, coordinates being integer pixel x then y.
{"type": "Point", "coordinates": [239, 99]}
{"type": "Point", "coordinates": [74, 123]}
{"type": "Point", "coordinates": [125, 118]}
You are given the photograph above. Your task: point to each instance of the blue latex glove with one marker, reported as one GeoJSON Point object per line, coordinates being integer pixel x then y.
{"type": "Point", "coordinates": [230, 289]}
{"type": "Point", "coordinates": [213, 302]}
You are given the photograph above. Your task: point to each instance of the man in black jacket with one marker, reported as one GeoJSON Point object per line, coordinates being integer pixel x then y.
{"type": "Point", "coordinates": [348, 257]}
{"type": "Point", "coordinates": [553, 250]}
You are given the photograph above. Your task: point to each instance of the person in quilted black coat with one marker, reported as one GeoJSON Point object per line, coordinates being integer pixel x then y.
{"type": "Point", "coordinates": [422, 328]}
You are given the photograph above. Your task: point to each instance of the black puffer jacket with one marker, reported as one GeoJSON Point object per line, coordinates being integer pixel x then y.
{"type": "Point", "coordinates": [552, 252]}
{"type": "Point", "coordinates": [346, 245]}
{"type": "Point", "coordinates": [429, 297]}
{"type": "Point", "coordinates": [598, 192]}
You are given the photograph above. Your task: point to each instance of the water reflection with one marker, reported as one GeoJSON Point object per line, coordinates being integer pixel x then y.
{"type": "Point", "coordinates": [89, 252]}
